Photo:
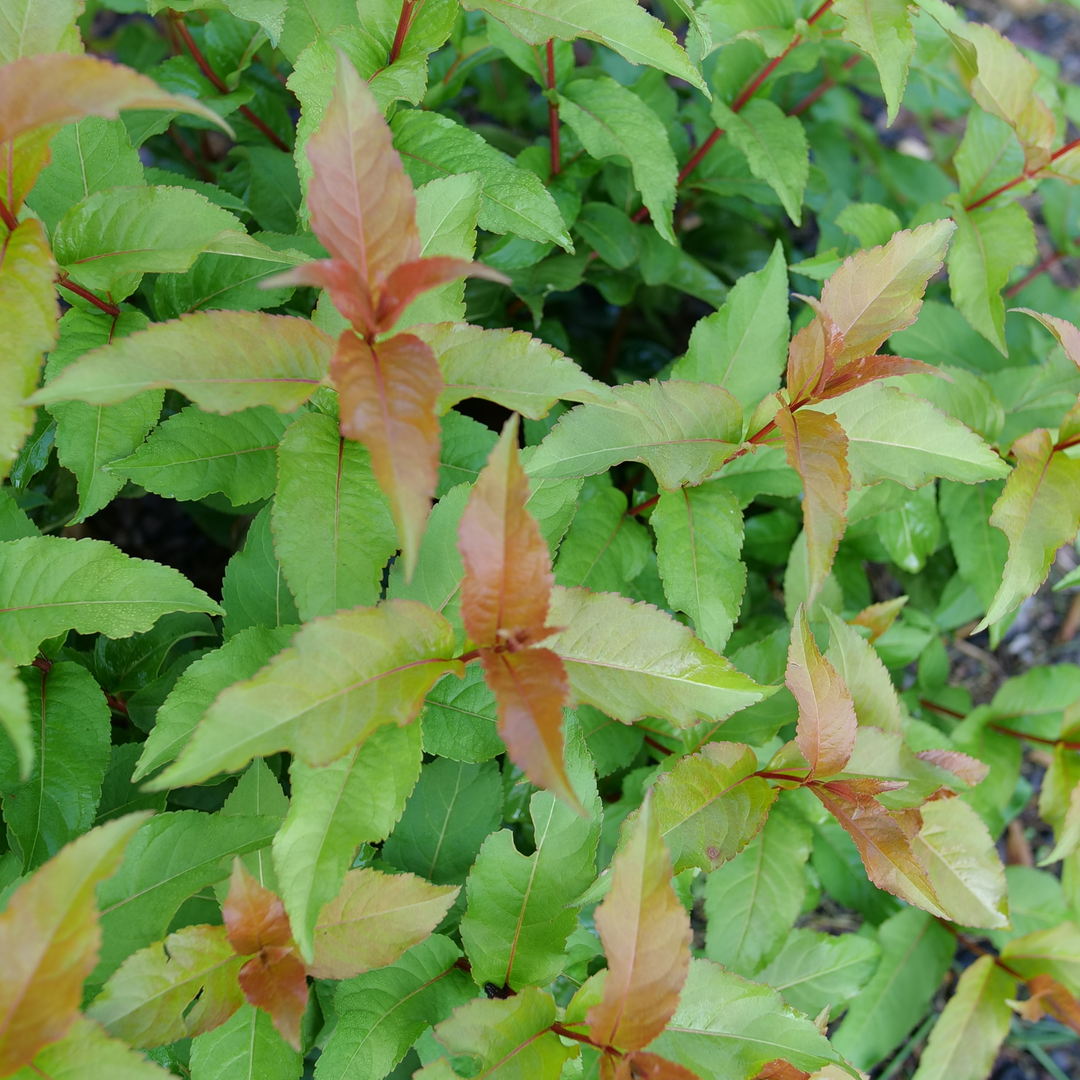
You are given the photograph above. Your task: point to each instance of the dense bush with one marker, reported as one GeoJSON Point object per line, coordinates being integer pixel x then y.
{"type": "Point", "coordinates": [452, 778]}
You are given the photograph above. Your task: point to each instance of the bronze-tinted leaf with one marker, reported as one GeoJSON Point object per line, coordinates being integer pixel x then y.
{"type": "Point", "coordinates": [507, 584]}
{"type": "Point", "coordinates": [646, 936]}
{"type": "Point", "coordinates": [388, 396]}
{"type": "Point", "coordinates": [816, 447]}
{"type": "Point", "coordinates": [639, 1065]}
{"type": "Point", "coordinates": [275, 980]}
{"type": "Point", "coordinates": [531, 688]}
{"type": "Point", "coordinates": [254, 916]}
{"type": "Point", "coordinates": [827, 721]}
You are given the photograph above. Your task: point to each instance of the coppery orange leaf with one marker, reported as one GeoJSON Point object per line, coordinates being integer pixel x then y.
{"type": "Point", "coordinates": [507, 584]}
{"type": "Point", "coordinates": [646, 936]}
{"type": "Point", "coordinates": [877, 618]}
{"type": "Point", "coordinates": [827, 722]}
{"type": "Point", "coordinates": [58, 88]}
{"type": "Point", "coordinates": [49, 940]}
{"type": "Point", "coordinates": [816, 448]}
{"type": "Point", "coordinates": [642, 1066]}
{"type": "Point", "coordinates": [407, 281]}
{"type": "Point", "coordinates": [780, 1070]}
{"type": "Point", "coordinates": [1049, 996]}
{"type": "Point", "coordinates": [531, 688]}
{"type": "Point", "coordinates": [812, 357]}
{"type": "Point", "coordinates": [867, 369]}
{"type": "Point", "coordinates": [884, 845]}
{"type": "Point", "coordinates": [969, 769]}
{"type": "Point", "coordinates": [254, 916]}
{"type": "Point", "coordinates": [362, 204]}
{"type": "Point", "coordinates": [388, 394]}
{"type": "Point", "coordinates": [275, 981]}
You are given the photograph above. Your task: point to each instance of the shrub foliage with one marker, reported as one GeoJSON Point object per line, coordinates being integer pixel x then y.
{"type": "Point", "coordinates": [547, 725]}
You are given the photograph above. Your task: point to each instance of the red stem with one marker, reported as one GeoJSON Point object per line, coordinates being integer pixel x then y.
{"type": "Point", "coordinates": [219, 83]}
{"type": "Point", "coordinates": [102, 305]}
{"type": "Point", "coordinates": [1034, 738]}
{"type": "Point", "coordinates": [927, 704]}
{"type": "Point", "coordinates": [566, 1033]}
{"type": "Point", "coordinates": [747, 93]}
{"type": "Point", "coordinates": [404, 22]}
{"type": "Point", "coordinates": [1025, 175]}
{"type": "Point", "coordinates": [823, 87]}
{"type": "Point", "coordinates": [657, 746]}
{"type": "Point", "coordinates": [553, 110]}
{"type": "Point", "coordinates": [978, 950]}
{"type": "Point", "coordinates": [1029, 277]}
{"type": "Point", "coordinates": [7, 217]}
{"type": "Point", "coordinates": [641, 507]}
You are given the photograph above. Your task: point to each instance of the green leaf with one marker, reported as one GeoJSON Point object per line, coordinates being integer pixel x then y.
{"type": "Point", "coordinates": [989, 155]}
{"type": "Point", "coordinates": [382, 1013]}
{"type": "Point", "coordinates": [258, 793]}
{"type": "Point", "coordinates": [15, 718]}
{"type": "Point", "coordinates": [49, 584]}
{"type": "Point", "coordinates": [981, 550]}
{"type": "Point", "coordinates": [682, 431]}
{"type": "Point", "coordinates": [774, 145]}
{"type": "Point", "coordinates": [239, 658]}
{"type": "Point", "coordinates": [332, 527]}
{"type": "Point", "coordinates": [88, 156]}
{"type": "Point", "coordinates": [1038, 512]}
{"type": "Point", "coordinates": [752, 901]}
{"type": "Point", "coordinates": [916, 951]}
{"type": "Point", "coordinates": [743, 346]}
{"type": "Point", "coordinates": [699, 537]}
{"type": "Point", "coordinates": [726, 1026]}
{"type": "Point", "coordinates": [520, 910]}
{"type": "Point", "coordinates": [871, 224]}
{"type": "Point", "coordinates": [460, 719]}
{"type": "Point", "coordinates": [510, 367]}
{"type": "Point", "coordinates": [968, 1035]}
{"type": "Point", "coordinates": [610, 232]}
{"type": "Point", "coordinates": [858, 664]}
{"type": "Point", "coordinates": [58, 800]}
{"type": "Point", "coordinates": [710, 805]}
{"type": "Point", "coordinates": [447, 211]}
{"type": "Point", "coordinates": [1052, 952]}
{"type": "Point", "coordinates": [215, 282]}
{"type": "Point", "coordinates": [244, 1047]}
{"type": "Point", "coordinates": [285, 359]}
{"type": "Point", "coordinates": [510, 1038]}
{"type": "Point", "coordinates": [883, 31]}
{"type": "Point", "coordinates": [334, 809]}
{"type": "Point", "coordinates": [453, 807]}
{"type": "Point", "coordinates": [514, 200]}
{"type": "Point", "coordinates": [966, 396]}
{"type": "Point", "coordinates": [342, 677]}
{"type": "Point", "coordinates": [90, 437]}
{"type": "Point", "coordinates": [464, 450]}
{"type": "Point", "coordinates": [86, 1051]}
{"type": "Point", "coordinates": [605, 548]}
{"type": "Point", "coordinates": [989, 243]}
{"type": "Point", "coordinates": [959, 853]}
{"type": "Point", "coordinates": [147, 1001]}
{"type": "Point", "coordinates": [813, 971]}
{"type": "Point", "coordinates": [631, 661]}
{"type": "Point", "coordinates": [255, 592]}
{"type": "Point", "coordinates": [613, 122]}
{"type": "Point", "coordinates": [619, 24]}
{"type": "Point", "coordinates": [111, 237]}
{"type": "Point", "coordinates": [194, 454]}
{"type": "Point", "coordinates": [27, 29]}
{"type": "Point", "coordinates": [27, 330]}
{"type": "Point", "coordinates": [170, 858]}
{"type": "Point", "coordinates": [894, 436]}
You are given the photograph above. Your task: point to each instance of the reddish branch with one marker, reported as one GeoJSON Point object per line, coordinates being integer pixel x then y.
{"type": "Point", "coordinates": [219, 84]}
{"type": "Point", "coordinates": [748, 91]}
{"type": "Point", "coordinates": [7, 217]}
{"type": "Point", "coordinates": [102, 305]}
{"type": "Point", "coordinates": [1025, 175]}
{"type": "Point", "coordinates": [823, 87]}
{"type": "Point", "coordinates": [1029, 277]}
{"type": "Point", "coordinates": [978, 950]}
{"type": "Point", "coordinates": [408, 10]}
